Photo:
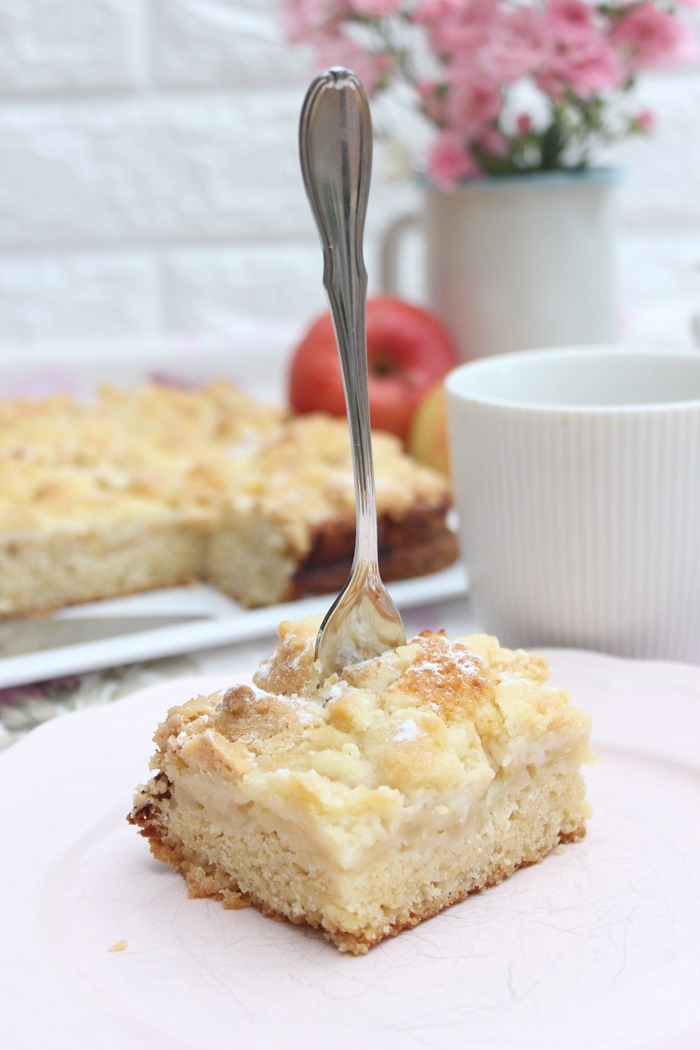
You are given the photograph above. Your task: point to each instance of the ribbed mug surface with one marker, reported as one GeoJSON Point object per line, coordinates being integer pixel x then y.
{"type": "Point", "coordinates": [580, 523]}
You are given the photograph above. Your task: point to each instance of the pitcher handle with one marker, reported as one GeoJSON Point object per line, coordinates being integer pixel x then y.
{"type": "Point", "coordinates": [390, 248]}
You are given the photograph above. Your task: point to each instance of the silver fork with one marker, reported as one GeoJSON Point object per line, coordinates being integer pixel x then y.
{"type": "Point", "coordinates": [335, 144]}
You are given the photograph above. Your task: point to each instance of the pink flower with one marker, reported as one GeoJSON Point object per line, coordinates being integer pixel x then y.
{"type": "Point", "coordinates": [493, 142]}
{"type": "Point", "coordinates": [457, 27]}
{"type": "Point", "coordinates": [433, 101]}
{"type": "Point", "coordinates": [644, 121]}
{"type": "Point", "coordinates": [570, 20]}
{"type": "Point", "coordinates": [517, 44]}
{"type": "Point", "coordinates": [578, 54]}
{"type": "Point", "coordinates": [449, 161]}
{"type": "Point", "coordinates": [588, 74]}
{"type": "Point", "coordinates": [649, 38]}
{"type": "Point", "coordinates": [375, 8]}
{"type": "Point", "coordinates": [468, 64]}
{"type": "Point", "coordinates": [474, 99]}
{"type": "Point", "coordinates": [430, 12]}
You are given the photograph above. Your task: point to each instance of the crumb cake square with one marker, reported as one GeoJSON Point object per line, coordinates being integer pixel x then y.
{"type": "Point", "coordinates": [287, 518]}
{"type": "Point", "coordinates": [365, 803]}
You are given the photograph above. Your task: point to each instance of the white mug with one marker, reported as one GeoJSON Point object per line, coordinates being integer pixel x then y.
{"type": "Point", "coordinates": [577, 483]}
{"type": "Point", "coordinates": [515, 263]}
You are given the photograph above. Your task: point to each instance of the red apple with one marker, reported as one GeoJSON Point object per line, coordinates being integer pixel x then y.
{"type": "Point", "coordinates": [408, 351]}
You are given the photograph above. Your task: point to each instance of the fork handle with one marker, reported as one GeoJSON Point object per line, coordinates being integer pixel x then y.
{"type": "Point", "coordinates": [335, 146]}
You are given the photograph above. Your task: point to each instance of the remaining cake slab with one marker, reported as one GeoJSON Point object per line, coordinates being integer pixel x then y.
{"type": "Point", "coordinates": [287, 515]}
{"type": "Point", "coordinates": [368, 802]}
{"type": "Point", "coordinates": [68, 536]}
{"type": "Point", "coordinates": [159, 485]}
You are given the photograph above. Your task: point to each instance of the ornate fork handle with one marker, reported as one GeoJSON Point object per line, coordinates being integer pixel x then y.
{"type": "Point", "coordinates": [335, 142]}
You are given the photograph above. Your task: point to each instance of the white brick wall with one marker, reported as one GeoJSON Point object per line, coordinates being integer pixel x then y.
{"type": "Point", "coordinates": [149, 180]}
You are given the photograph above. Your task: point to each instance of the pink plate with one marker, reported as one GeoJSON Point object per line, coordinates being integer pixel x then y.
{"type": "Point", "coordinates": [598, 946]}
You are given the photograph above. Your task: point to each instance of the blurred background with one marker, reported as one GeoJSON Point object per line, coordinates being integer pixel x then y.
{"type": "Point", "coordinates": [150, 184]}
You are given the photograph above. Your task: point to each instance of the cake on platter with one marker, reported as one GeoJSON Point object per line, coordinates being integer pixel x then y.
{"type": "Point", "coordinates": [367, 802]}
{"type": "Point", "coordinates": [161, 485]}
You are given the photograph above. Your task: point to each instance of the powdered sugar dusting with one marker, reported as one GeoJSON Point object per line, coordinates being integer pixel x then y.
{"type": "Point", "coordinates": [302, 657]}
{"type": "Point", "coordinates": [305, 709]}
{"type": "Point", "coordinates": [407, 730]}
{"type": "Point", "coordinates": [337, 690]}
{"type": "Point", "coordinates": [305, 716]}
{"type": "Point", "coordinates": [428, 666]}
{"type": "Point", "coordinates": [465, 662]}
{"type": "Point", "coordinates": [468, 662]}
{"type": "Point", "coordinates": [513, 678]}
{"type": "Point", "coordinates": [265, 666]}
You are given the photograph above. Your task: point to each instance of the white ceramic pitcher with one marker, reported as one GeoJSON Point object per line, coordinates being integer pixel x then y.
{"type": "Point", "coordinates": [517, 262]}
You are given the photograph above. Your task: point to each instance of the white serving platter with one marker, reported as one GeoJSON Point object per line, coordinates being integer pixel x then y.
{"type": "Point", "coordinates": [169, 622]}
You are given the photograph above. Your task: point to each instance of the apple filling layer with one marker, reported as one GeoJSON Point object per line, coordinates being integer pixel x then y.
{"type": "Point", "coordinates": [366, 803]}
